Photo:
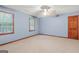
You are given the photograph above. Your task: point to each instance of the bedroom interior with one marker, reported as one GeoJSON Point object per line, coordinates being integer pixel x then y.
{"type": "Point", "coordinates": [39, 28]}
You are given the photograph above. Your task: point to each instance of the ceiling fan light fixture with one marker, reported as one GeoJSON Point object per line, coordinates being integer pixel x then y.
{"type": "Point", "coordinates": [47, 10]}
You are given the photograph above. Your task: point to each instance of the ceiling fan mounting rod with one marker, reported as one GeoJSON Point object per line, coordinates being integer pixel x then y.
{"type": "Point", "coordinates": [45, 7]}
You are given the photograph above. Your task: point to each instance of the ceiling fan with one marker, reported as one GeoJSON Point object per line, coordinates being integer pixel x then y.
{"type": "Point", "coordinates": [46, 11]}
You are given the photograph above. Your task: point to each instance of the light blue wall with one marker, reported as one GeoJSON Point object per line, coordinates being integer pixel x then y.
{"type": "Point", "coordinates": [57, 26]}
{"type": "Point", "coordinates": [21, 27]}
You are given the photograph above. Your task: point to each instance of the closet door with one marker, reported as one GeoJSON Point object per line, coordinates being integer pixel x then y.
{"type": "Point", "coordinates": [73, 27]}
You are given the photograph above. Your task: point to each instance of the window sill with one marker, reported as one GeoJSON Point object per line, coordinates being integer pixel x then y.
{"type": "Point", "coordinates": [7, 33]}
{"type": "Point", "coordinates": [31, 30]}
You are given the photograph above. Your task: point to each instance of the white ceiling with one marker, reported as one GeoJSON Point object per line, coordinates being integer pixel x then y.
{"type": "Point", "coordinates": [35, 9]}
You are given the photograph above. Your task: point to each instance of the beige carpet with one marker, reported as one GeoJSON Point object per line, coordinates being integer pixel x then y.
{"type": "Point", "coordinates": [43, 43]}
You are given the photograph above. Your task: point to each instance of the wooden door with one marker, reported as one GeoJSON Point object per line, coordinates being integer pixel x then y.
{"type": "Point", "coordinates": [73, 27]}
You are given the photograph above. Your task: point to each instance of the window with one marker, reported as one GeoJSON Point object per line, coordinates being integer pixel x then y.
{"type": "Point", "coordinates": [31, 23]}
{"type": "Point", "coordinates": [6, 23]}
